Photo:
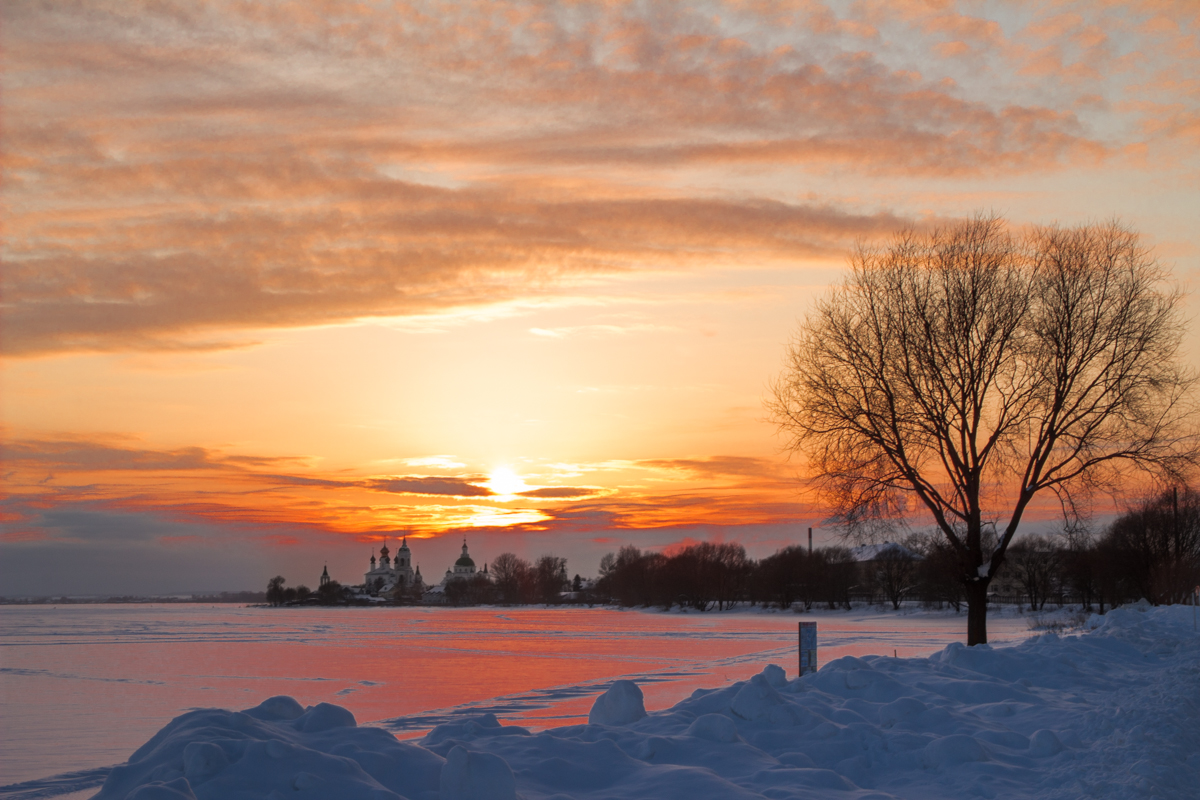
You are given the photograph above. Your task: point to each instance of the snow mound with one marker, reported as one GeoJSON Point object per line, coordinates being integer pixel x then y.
{"type": "Point", "coordinates": [1107, 714]}
{"type": "Point", "coordinates": [232, 755]}
{"type": "Point", "coordinates": [621, 704]}
{"type": "Point", "coordinates": [476, 776]}
{"type": "Point", "coordinates": [715, 728]}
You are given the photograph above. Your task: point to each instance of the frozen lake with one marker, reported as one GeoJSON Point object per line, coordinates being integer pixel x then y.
{"type": "Point", "coordinates": [82, 686]}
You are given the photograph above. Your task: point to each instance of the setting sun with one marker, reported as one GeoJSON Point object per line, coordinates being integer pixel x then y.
{"type": "Point", "coordinates": [506, 483]}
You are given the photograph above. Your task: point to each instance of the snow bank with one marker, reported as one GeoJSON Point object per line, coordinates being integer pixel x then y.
{"type": "Point", "coordinates": [620, 704]}
{"type": "Point", "coordinates": [1114, 713]}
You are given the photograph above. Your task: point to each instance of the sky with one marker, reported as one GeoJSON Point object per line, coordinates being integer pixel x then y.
{"type": "Point", "coordinates": [284, 281]}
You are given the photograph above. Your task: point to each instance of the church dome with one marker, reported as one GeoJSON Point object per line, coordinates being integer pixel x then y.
{"type": "Point", "coordinates": [464, 561]}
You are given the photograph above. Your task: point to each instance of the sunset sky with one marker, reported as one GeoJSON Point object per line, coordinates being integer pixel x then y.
{"type": "Point", "coordinates": [283, 279]}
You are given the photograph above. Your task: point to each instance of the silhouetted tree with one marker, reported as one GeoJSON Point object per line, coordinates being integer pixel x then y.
{"type": "Point", "coordinates": [937, 572]}
{"type": "Point", "coordinates": [330, 594]}
{"type": "Point", "coordinates": [893, 573]}
{"type": "Point", "coordinates": [471, 591]}
{"type": "Point", "coordinates": [511, 573]}
{"type": "Point", "coordinates": [631, 577]}
{"type": "Point", "coordinates": [275, 590]}
{"type": "Point", "coordinates": [550, 578]}
{"type": "Point", "coordinates": [970, 372]}
{"type": "Point", "coordinates": [1079, 567]}
{"type": "Point", "coordinates": [839, 575]}
{"type": "Point", "coordinates": [785, 578]}
{"type": "Point", "coordinates": [1034, 563]}
{"type": "Point", "coordinates": [456, 591]}
{"type": "Point", "coordinates": [1157, 545]}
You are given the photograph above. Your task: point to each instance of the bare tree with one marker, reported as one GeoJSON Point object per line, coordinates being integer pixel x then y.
{"type": "Point", "coordinates": [1157, 546]}
{"type": "Point", "coordinates": [893, 572]}
{"type": "Point", "coordinates": [971, 371]}
{"type": "Point", "coordinates": [550, 578]}
{"type": "Point", "coordinates": [275, 590]}
{"type": "Point", "coordinates": [511, 573]}
{"type": "Point", "coordinates": [1035, 563]}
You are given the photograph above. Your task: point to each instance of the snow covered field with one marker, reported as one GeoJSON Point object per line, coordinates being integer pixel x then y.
{"type": "Point", "coordinates": [86, 685]}
{"type": "Point", "coordinates": [1111, 713]}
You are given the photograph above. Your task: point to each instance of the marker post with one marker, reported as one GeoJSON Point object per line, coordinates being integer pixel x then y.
{"type": "Point", "coordinates": [808, 647]}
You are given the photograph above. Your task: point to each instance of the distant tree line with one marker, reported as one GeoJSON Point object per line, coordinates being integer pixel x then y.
{"type": "Point", "coordinates": [514, 581]}
{"type": "Point", "coordinates": [699, 576]}
{"type": "Point", "coordinates": [222, 597]}
{"type": "Point", "coordinates": [717, 576]}
{"type": "Point", "coordinates": [1152, 551]}
{"type": "Point", "coordinates": [331, 593]}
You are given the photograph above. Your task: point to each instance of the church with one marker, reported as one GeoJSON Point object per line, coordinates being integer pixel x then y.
{"type": "Point", "coordinates": [387, 573]}
{"type": "Point", "coordinates": [463, 568]}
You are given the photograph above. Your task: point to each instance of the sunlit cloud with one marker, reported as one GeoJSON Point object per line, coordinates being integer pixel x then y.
{"type": "Point", "coordinates": [596, 330]}
{"type": "Point", "coordinates": [440, 462]}
{"type": "Point", "coordinates": [197, 483]}
{"type": "Point", "coordinates": [146, 215]}
{"type": "Point", "coordinates": [563, 492]}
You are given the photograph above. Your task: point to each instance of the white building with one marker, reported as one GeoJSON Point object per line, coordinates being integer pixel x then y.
{"type": "Point", "coordinates": [387, 573]}
{"type": "Point", "coordinates": [463, 568]}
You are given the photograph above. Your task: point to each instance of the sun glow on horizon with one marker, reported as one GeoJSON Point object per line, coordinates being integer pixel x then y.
{"type": "Point", "coordinates": [505, 483]}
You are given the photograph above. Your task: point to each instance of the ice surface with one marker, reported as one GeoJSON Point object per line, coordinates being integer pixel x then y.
{"type": "Point", "coordinates": [71, 698]}
{"type": "Point", "coordinates": [1108, 714]}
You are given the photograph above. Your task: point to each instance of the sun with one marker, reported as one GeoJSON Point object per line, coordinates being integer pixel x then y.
{"type": "Point", "coordinates": [505, 483]}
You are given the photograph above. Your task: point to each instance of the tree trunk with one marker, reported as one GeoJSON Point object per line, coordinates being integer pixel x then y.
{"type": "Point", "coordinates": [976, 591]}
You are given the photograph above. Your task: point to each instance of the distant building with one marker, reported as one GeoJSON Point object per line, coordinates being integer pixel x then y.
{"type": "Point", "coordinates": [390, 575]}
{"type": "Point", "coordinates": [870, 553]}
{"type": "Point", "coordinates": [886, 569]}
{"type": "Point", "coordinates": [387, 574]}
{"type": "Point", "coordinates": [463, 569]}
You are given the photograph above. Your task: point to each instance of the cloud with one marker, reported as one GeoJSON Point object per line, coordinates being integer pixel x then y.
{"type": "Point", "coordinates": [441, 462]}
{"type": "Point", "coordinates": [180, 176]}
{"type": "Point", "coordinates": [146, 280]}
{"type": "Point", "coordinates": [424, 485]}
{"type": "Point", "coordinates": [562, 492]}
{"type": "Point", "coordinates": [742, 467]}
{"type": "Point", "coordinates": [112, 454]}
{"type": "Point", "coordinates": [115, 475]}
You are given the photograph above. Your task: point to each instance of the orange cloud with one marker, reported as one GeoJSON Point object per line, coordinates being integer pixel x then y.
{"type": "Point", "coordinates": [196, 483]}
{"type": "Point", "coordinates": [175, 174]}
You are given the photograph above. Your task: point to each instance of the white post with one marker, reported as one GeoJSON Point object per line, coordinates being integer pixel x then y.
{"type": "Point", "coordinates": [808, 647]}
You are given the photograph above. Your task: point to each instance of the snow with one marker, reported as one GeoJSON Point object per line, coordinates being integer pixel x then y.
{"type": "Point", "coordinates": [1110, 713]}
{"type": "Point", "coordinates": [476, 776]}
{"type": "Point", "coordinates": [621, 704]}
